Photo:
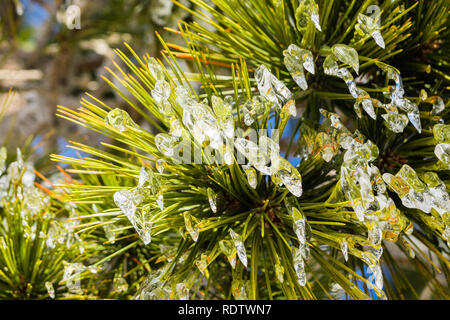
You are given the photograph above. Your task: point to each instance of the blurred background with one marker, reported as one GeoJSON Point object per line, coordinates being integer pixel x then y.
{"type": "Point", "coordinates": [53, 51]}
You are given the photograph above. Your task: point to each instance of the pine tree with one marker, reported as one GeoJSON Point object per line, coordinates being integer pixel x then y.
{"type": "Point", "coordinates": [306, 156]}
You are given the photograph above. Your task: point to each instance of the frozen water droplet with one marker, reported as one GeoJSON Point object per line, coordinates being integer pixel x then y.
{"type": "Point", "coordinates": [423, 95]}
{"type": "Point", "coordinates": [182, 291]}
{"type": "Point", "coordinates": [19, 157]}
{"type": "Point", "coordinates": [442, 152]}
{"type": "Point", "coordinates": [242, 254]}
{"type": "Point", "coordinates": [351, 87]}
{"type": "Point", "coordinates": [198, 118]}
{"type": "Point", "coordinates": [125, 200]}
{"type": "Point", "coordinates": [438, 105]}
{"type": "Point", "coordinates": [299, 224]}
{"type": "Point", "coordinates": [14, 172]}
{"type": "Point", "coordinates": [315, 19]}
{"type": "Point", "coordinates": [155, 69]}
{"type": "Point", "coordinates": [246, 147]}
{"type": "Point", "coordinates": [258, 105]}
{"type": "Point", "coordinates": [202, 123]}
{"type": "Point", "coordinates": [299, 229]}
{"type": "Point", "coordinates": [305, 251]}
{"type": "Point", "coordinates": [229, 249]}
{"type": "Point", "coordinates": [191, 224]}
{"type": "Point", "coordinates": [119, 119]}
{"type": "Point", "coordinates": [28, 176]}
{"type": "Point", "coordinates": [346, 54]}
{"type": "Point", "coordinates": [377, 252]}
{"type": "Point", "coordinates": [72, 276]}
{"type": "Point", "coordinates": [160, 163]}
{"type": "Point", "coordinates": [228, 156]}
{"type": "Point", "coordinates": [414, 118]}
{"type": "Point", "coordinates": [289, 175]}
{"type": "Point", "coordinates": [251, 151]}
{"type": "Point", "coordinates": [376, 35]}
{"type": "Point", "coordinates": [299, 266]}
{"type": "Point", "coordinates": [248, 119]}
{"type": "Point", "coordinates": [279, 271]}
{"type": "Point", "coordinates": [175, 128]}
{"type": "Point", "coordinates": [160, 200]}
{"type": "Point", "coordinates": [224, 112]}
{"type": "Point", "coordinates": [375, 235]}
{"type": "Point", "coordinates": [378, 276]}
{"type": "Point", "coordinates": [344, 249]}
{"type": "Point", "coordinates": [143, 229]}
{"type": "Point", "coordinates": [289, 109]}
{"type": "Point", "coordinates": [330, 65]}
{"type": "Point", "coordinates": [326, 146]}
{"type": "Point", "coordinates": [269, 147]}
{"type": "Point", "coordinates": [307, 12]}
{"type": "Point", "coordinates": [145, 176]}
{"type": "Point", "coordinates": [368, 26]}
{"type": "Point", "coordinates": [410, 177]}
{"type": "Point", "coordinates": [50, 289]}
{"type": "Point", "coordinates": [364, 98]}
{"type": "Point", "coordinates": [441, 133]}
{"type": "Point", "coordinates": [3, 155]}
{"type": "Point", "coordinates": [270, 87]}
{"type": "Point", "coordinates": [166, 144]}
{"type": "Point", "coordinates": [239, 289]}
{"type": "Point", "coordinates": [251, 177]}
{"type": "Point", "coordinates": [161, 94]}
{"type": "Point", "coordinates": [297, 59]}
{"type": "Point", "coordinates": [109, 233]}
{"type": "Point", "coordinates": [119, 283]}
{"type": "Point", "coordinates": [369, 258]}
{"type": "Point", "coordinates": [334, 120]}
{"type": "Point", "coordinates": [395, 122]}
{"type": "Point", "coordinates": [212, 198]}
{"type": "Point", "coordinates": [4, 186]}
{"type": "Point", "coordinates": [202, 265]}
